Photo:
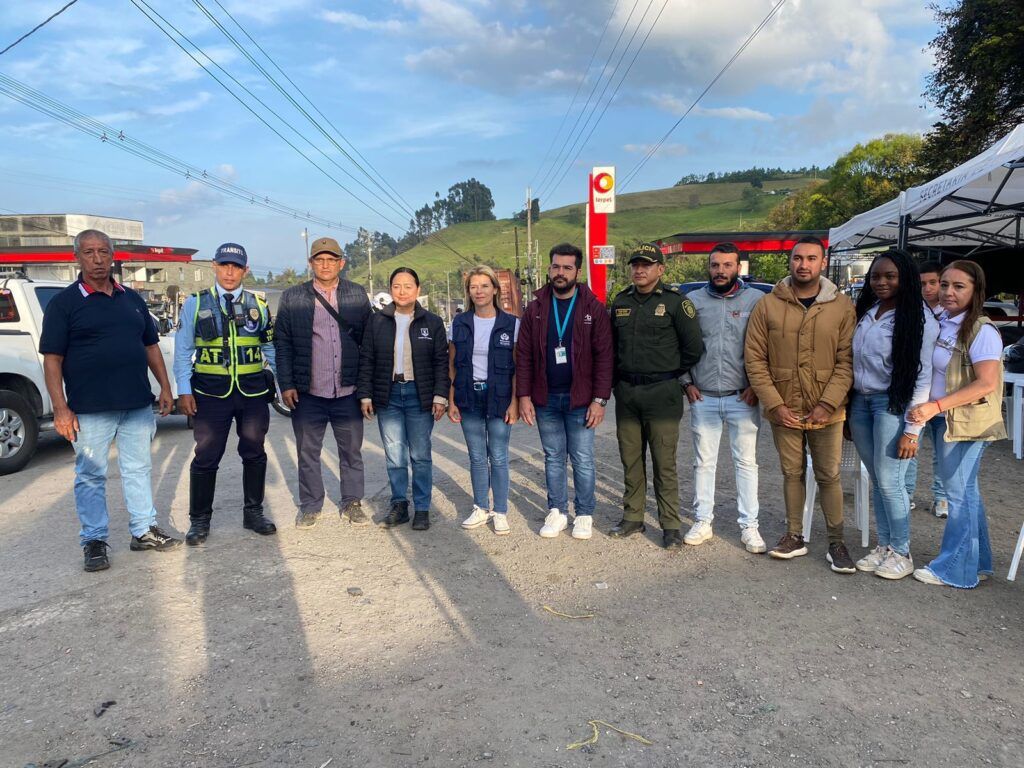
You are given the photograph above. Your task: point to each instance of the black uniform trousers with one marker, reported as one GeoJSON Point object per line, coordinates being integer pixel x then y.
{"type": "Point", "coordinates": [212, 423]}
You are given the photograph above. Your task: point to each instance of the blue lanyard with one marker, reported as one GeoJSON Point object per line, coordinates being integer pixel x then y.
{"type": "Point", "coordinates": [561, 325]}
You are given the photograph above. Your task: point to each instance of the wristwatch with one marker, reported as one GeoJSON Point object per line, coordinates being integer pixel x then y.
{"type": "Point", "coordinates": [601, 401]}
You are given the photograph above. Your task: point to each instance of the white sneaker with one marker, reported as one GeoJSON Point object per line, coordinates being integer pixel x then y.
{"type": "Point", "coordinates": [554, 524]}
{"type": "Point", "coordinates": [477, 518]}
{"type": "Point", "coordinates": [870, 562]}
{"type": "Point", "coordinates": [941, 508]}
{"type": "Point", "coordinates": [582, 526]}
{"type": "Point", "coordinates": [752, 541]}
{"type": "Point", "coordinates": [699, 533]}
{"type": "Point", "coordinates": [500, 521]}
{"type": "Point", "coordinates": [895, 566]}
{"type": "Point", "coordinates": [925, 575]}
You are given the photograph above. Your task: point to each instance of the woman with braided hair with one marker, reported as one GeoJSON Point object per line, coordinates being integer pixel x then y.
{"type": "Point", "coordinates": [892, 372]}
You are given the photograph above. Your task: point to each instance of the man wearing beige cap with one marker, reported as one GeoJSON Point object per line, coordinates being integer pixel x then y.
{"type": "Point", "coordinates": [318, 334]}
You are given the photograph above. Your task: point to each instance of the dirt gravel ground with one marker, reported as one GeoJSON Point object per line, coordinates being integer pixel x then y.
{"type": "Point", "coordinates": [252, 651]}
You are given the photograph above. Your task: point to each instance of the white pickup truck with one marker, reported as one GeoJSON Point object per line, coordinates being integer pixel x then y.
{"type": "Point", "coordinates": [25, 407]}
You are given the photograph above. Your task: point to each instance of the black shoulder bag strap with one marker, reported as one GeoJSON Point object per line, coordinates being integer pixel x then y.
{"type": "Point", "coordinates": [333, 312]}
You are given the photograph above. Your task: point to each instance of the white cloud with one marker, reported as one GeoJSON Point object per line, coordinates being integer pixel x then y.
{"type": "Point", "coordinates": [480, 123]}
{"type": "Point", "coordinates": [679, 106]}
{"type": "Point", "coordinates": [362, 23]}
{"type": "Point", "coordinates": [665, 150]}
{"type": "Point", "coordinates": [177, 203]}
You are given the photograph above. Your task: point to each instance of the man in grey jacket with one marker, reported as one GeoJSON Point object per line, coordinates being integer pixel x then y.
{"type": "Point", "coordinates": [720, 394]}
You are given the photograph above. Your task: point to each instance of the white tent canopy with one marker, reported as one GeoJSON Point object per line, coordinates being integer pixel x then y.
{"type": "Point", "coordinates": [979, 203]}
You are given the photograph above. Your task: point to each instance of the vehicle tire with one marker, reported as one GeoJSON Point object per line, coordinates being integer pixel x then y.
{"type": "Point", "coordinates": [281, 408]}
{"type": "Point", "coordinates": [19, 432]}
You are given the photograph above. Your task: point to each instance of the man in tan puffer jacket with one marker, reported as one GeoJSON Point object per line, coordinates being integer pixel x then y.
{"type": "Point", "coordinates": [799, 359]}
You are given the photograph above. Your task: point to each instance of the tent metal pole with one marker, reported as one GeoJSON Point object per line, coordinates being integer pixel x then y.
{"type": "Point", "coordinates": [902, 237]}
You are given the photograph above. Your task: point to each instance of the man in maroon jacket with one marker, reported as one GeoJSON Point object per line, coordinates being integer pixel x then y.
{"type": "Point", "coordinates": [564, 363]}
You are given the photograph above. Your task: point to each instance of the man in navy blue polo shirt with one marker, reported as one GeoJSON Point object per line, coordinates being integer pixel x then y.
{"type": "Point", "coordinates": [97, 342]}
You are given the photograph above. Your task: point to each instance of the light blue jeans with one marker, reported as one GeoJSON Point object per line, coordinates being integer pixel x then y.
{"type": "Point", "coordinates": [563, 432]}
{"type": "Point", "coordinates": [405, 430]}
{"type": "Point", "coordinates": [707, 417]}
{"type": "Point", "coordinates": [487, 443]}
{"type": "Point", "coordinates": [134, 431]}
{"type": "Point", "coordinates": [965, 550]}
{"type": "Point", "coordinates": [938, 492]}
{"type": "Point", "coordinates": [876, 433]}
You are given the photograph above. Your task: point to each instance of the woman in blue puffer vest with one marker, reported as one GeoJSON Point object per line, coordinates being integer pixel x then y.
{"type": "Point", "coordinates": [482, 369]}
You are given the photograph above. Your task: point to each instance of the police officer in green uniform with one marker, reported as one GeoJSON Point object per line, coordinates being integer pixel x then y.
{"type": "Point", "coordinates": [229, 333]}
{"type": "Point", "coordinates": [657, 339]}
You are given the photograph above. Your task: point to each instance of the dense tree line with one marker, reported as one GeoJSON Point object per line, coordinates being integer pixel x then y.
{"type": "Point", "coordinates": [755, 176]}
{"type": "Point", "coordinates": [868, 175]}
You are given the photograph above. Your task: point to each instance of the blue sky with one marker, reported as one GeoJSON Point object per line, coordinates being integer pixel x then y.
{"type": "Point", "coordinates": [432, 92]}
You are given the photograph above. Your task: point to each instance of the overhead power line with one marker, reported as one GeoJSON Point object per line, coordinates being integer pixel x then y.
{"type": "Point", "coordinates": [301, 93]}
{"type": "Point", "coordinates": [739, 51]}
{"type": "Point", "coordinates": [116, 138]}
{"type": "Point", "coordinates": [561, 154]}
{"type": "Point", "coordinates": [572, 101]}
{"type": "Point", "coordinates": [38, 26]}
{"type": "Point", "coordinates": [636, 54]}
{"type": "Point", "coordinates": [153, 15]}
{"type": "Point", "coordinates": [164, 25]}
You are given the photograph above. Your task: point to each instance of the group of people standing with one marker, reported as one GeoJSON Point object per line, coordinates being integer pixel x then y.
{"type": "Point", "coordinates": [803, 355]}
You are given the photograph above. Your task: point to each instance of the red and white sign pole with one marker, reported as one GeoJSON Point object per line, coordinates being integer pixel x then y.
{"type": "Point", "coordinates": [600, 202]}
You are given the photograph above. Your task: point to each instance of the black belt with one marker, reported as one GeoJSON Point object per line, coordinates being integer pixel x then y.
{"type": "Point", "coordinates": [398, 378]}
{"type": "Point", "coordinates": [646, 378]}
{"type": "Point", "coordinates": [479, 386]}
{"type": "Point", "coordinates": [726, 393]}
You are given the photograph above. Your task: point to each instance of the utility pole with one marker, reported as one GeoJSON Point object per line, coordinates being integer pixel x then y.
{"type": "Point", "coordinates": [536, 260]}
{"type": "Point", "coordinates": [305, 248]}
{"type": "Point", "coordinates": [529, 227]}
{"type": "Point", "coordinates": [515, 230]}
{"type": "Point", "coordinates": [369, 256]}
{"type": "Point", "coordinates": [448, 310]}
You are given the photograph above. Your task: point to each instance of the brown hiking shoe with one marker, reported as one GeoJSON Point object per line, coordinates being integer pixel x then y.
{"type": "Point", "coordinates": [791, 545]}
{"type": "Point", "coordinates": [839, 558]}
{"type": "Point", "coordinates": [355, 513]}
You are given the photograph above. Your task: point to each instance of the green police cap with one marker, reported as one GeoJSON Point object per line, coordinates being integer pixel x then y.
{"type": "Point", "coordinates": [647, 252]}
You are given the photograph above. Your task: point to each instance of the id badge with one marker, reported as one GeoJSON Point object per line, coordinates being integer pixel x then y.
{"type": "Point", "coordinates": [560, 357]}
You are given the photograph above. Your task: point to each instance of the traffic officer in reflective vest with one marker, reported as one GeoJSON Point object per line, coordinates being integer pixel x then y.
{"type": "Point", "coordinates": [229, 333]}
{"type": "Point", "coordinates": [657, 338]}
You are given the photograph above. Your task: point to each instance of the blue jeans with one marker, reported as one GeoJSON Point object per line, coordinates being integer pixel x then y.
{"type": "Point", "coordinates": [563, 432]}
{"type": "Point", "coordinates": [938, 492]}
{"type": "Point", "coordinates": [707, 417]}
{"type": "Point", "coordinates": [487, 443]}
{"type": "Point", "coordinates": [134, 431]}
{"type": "Point", "coordinates": [405, 431]}
{"type": "Point", "coordinates": [965, 550]}
{"type": "Point", "coordinates": [876, 433]}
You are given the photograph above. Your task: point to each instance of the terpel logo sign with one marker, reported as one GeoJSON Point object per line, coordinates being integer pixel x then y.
{"type": "Point", "coordinates": [603, 188]}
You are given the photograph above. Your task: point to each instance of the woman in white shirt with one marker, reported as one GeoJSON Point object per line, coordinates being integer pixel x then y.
{"type": "Point", "coordinates": [482, 399]}
{"type": "Point", "coordinates": [967, 387]}
{"type": "Point", "coordinates": [892, 371]}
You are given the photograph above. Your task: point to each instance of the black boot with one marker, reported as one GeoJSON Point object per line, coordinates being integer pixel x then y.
{"type": "Point", "coordinates": [200, 506]}
{"type": "Point", "coordinates": [254, 478]}
{"type": "Point", "coordinates": [398, 514]}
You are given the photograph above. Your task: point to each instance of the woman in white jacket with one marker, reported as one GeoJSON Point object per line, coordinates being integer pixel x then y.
{"type": "Point", "coordinates": [892, 371]}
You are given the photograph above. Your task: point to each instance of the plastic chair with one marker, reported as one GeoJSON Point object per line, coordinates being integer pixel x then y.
{"type": "Point", "coordinates": [1012, 576]}
{"type": "Point", "coordinates": [850, 464]}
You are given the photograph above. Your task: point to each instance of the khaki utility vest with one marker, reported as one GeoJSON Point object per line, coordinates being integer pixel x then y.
{"type": "Point", "coordinates": [980, 420]}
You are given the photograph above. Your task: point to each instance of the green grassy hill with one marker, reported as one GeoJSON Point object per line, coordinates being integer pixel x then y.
{"type": "Point", "coordinates": [640, 216]}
